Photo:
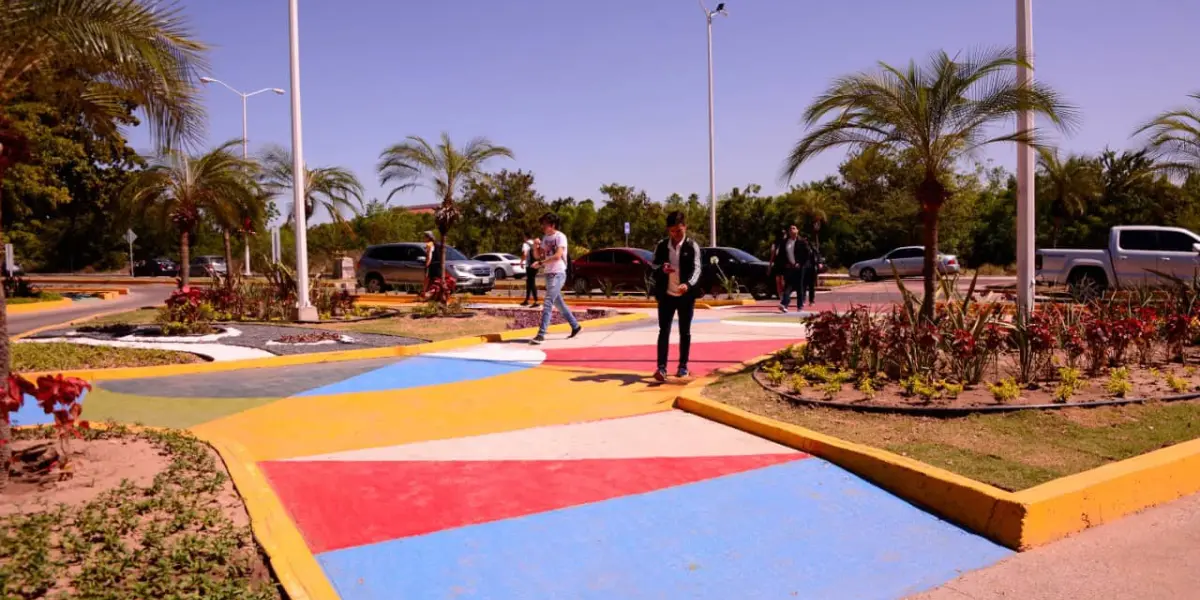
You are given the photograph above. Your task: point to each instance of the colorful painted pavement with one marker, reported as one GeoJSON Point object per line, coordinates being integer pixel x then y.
{"type": "Point", "coordinates": [561, 471]}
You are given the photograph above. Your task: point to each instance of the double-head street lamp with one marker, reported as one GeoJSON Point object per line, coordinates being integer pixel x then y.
{"type": "Point", "coordinates": [245, 140]}
{"type": "Point", "coordinates": [712, 161]}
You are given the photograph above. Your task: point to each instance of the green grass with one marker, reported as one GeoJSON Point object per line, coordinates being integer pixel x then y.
{"type": "Point", "coordinates": [426, 329]}
{"type": "Point", "coordinates": [62, 356]}
{"type": "Point", "coordinates": [141, 316]}
{"type": "Point", "coordinates": [41, 297]}
{"type": "Point", "coordinates": [1013, 451]}
{"type": "Point", "coordinates": [172, 539]}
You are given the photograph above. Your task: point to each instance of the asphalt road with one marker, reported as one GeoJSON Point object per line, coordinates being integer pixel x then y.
{"type": "Point", "coordinates": [139, 296]}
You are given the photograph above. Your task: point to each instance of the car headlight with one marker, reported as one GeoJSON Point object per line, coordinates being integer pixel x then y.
{"type": "Point", "coordinates": [462, 269]}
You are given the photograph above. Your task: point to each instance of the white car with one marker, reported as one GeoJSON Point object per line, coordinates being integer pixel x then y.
{"type": "Point", "coordinates": [504, 265]}
{"type": "Point", "coordinates": [908, 261]}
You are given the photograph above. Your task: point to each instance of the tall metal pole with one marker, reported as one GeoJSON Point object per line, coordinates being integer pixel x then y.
{"type": "Point", "coordinates": [712, 161]}
{"type": "Point", "coordinates": [245, 156]}
{"type": "Point", "coordinates": [305, 309]}
{"type": "Point", "coordinates": [1025, 165]}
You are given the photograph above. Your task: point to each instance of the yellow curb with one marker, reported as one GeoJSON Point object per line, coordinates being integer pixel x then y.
{"type": "Point", "coordinates": [518, 334]}
{"type": "Point", "coordinates": [126, 280]}
{"type": "Point", "coordinates": [86, 290]}
{"type": "Point", "coordinates": [316, 357]}
{"type": "Point", "coordinates": [295, 566]}
{"type": "Point", "coordinates": [1071, 504]}
{"type": "Point", "coordinates": [984, 509]}
{"type": "Point", "coordinates": [37, 307]}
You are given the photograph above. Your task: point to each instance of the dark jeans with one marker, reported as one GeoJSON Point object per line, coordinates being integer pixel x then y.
{"type": "Point", "coordinates": [810, 284]}
{"type": "Point", "coordinates": [793, 281]}
{"type": "Point", "coordinates": [667, 307]}
{"type": "Point", "coordinates": [530, 284]}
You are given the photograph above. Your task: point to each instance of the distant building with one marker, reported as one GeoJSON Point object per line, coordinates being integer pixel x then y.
{"type": "Point", "coordinates": [420, 209]}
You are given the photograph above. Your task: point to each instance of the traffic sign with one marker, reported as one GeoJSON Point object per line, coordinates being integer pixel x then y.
{"type": "Point", "coordinates": [130, 236]}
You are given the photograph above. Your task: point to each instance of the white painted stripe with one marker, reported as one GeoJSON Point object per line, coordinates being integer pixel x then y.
{"type": "Point", "coordinates": [217, 352]}
{"type": "Point", "coordinates": [672, 434]}
{"type": "Point", "coordinates": [506, 353]}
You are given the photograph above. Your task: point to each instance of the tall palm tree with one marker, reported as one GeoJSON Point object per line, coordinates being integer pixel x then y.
{"type": "Point", "coordinates": [139, 49]}
{"type": "Point", "coordinates": [1175, 137]}
{"type": "Point", "coordinates": [444, 169]}
{"type": "Point", "coordinates": [330, 188]}
{"type": "Point", "coordinates": [185, 188]}
{"type": "Point", "coordinates": [1074, 184]}
{"type": "Point", "coordinates": [934, 114]}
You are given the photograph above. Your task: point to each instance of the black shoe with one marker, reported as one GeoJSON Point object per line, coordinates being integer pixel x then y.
{"type": "Point", "coordinates": [525, 303]}
{"type": "Point", "coordinates": [682, 373]}
{"type": "Point", "coordinates": [575, 332]}
{"type": "Point", "coordinates": [537, 340]}
{"type": "Point", "coordinates": [660, 375]}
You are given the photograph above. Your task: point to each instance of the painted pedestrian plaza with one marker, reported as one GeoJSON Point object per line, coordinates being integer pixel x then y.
{"type": "Point", "coordinates": [561, 471]}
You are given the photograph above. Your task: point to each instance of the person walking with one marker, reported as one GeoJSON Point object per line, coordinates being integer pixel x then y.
{"type": "Point", "coordinates": [429, 274]}
{"type": "Point", "coordinates": [795, 254]}
{"type": "Point", "coordinates": [552, 260]}
{"type": "Point", "coordinates": [778, 264]}
{"type": "Point", "coordinates": [528, 250]}
{"type": "Point", "coordinates": [676, 276]}
{"type": "Point", "coordinates": [808, 271]}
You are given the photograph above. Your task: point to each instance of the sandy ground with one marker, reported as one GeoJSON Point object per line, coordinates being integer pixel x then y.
{"type": "Point", "coordinates": [1149, 556]}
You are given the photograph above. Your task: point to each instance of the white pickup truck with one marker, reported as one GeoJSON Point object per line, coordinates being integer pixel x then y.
{"type": "Point", "coordinates": [1134, 257]}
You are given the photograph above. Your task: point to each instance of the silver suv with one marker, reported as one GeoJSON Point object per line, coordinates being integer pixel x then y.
{"type": "Point", "coordinates": [403, 265]}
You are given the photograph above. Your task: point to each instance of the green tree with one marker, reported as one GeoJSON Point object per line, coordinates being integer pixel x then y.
{"type": "Point", "coordinates": [183, 189]}
{"type": "Point", "coordinates": [499, 211]}
{"type": "Point", "coordinates": [444, 169]}
{"type": "Point", "coordinates": [1071, 185]}
{"type": "Point", "coordinates": [937, 114]}
{"type": "Point", "coordinates": [330, 188]}
{"type": "Point", "coordinates": [1175, 137]}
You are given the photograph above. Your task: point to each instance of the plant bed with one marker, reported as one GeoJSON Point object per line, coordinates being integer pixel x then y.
{"type": "Point", "coordinates": [1011, 450]}
{"type": "Point", "coordinates": [142, 515]}
{"type": "Point", "coordinates": [532, 317]}
{"type": "Point", "coordinates": [64, 356]}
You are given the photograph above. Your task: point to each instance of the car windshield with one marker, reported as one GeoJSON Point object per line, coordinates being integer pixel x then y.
{"type": "Point", "coordinates": [452, 253]}
{"type": "Point", "coordinates": [741, 255]}
{"type": "Point", "coordinates": [645, 255]}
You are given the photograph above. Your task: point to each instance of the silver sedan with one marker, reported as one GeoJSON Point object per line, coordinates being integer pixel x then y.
{"type": "Point", "coordinates": [908, 261]}
{"type": "Point", "coordinates": [504, 265]}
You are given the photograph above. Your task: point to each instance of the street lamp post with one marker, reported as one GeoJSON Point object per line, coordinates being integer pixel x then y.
{"type": "Point", "coordinates": [1025, 165]}
{"type": "Point", "coordinates": [245, 143]}
{"type": "Point", "coordinates": [712, 161]}
{"type": "Point", "coordinates": [305, 310]}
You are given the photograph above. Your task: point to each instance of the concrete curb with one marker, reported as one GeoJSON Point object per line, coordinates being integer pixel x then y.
{"type": "Point", "coordinates": [37, 307]}
{"type": "Point", "coordinates": [1021, 520]}
{"type": "Point", "coordinates": [389, 300]}
{"type": "Point", "coordinates": [518, 334]}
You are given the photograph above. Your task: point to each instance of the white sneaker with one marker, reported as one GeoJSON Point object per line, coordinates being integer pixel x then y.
{"type": "Point", "coordinates": [782, 309]}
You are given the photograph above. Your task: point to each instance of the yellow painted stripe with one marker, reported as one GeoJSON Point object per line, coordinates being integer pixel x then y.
{"type": "Point", "coordinates": [308, 425]}
{"type": "Point", "coordinates": [295, 566]}
{"type": "Point", "coordinates": [37, 307]}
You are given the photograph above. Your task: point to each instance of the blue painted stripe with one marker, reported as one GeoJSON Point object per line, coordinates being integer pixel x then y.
{"type": "Point", "coordinates": [32, 414]}
{"type": "Point", "coordinates": [418, 372]}
{"type": "Point", "coordinates": [805, 529]}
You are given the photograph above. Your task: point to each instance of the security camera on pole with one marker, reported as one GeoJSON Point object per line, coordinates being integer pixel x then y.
{"type": "Point", "coordinates": [712, 161]}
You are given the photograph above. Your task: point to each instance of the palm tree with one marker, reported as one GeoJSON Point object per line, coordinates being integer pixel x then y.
{"type": "Point", "coordinates": [809, 205]}
{"type": "Point", "coordinates": [242, 213]}
{"type": "Point", "coordinates": [119, 50]}
{"type": "Point", "coordinates": [1175, 137]}
{"type": "Point", "coordinates": [184, 188]}
{"type": "Point", "coordinates": [330, 188]}
{"type": "Point", "coordinates": [1074, 184]}
{"type": "Point", "coordinates": [935, 115]}
{"type": "Point", "coordinates": [443, 168]}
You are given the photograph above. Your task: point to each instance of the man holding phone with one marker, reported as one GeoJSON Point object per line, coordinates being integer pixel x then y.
{"type": "Point", "coordinates": [677, 271]}
{"type": "Point", "coordinates": [552, 260]}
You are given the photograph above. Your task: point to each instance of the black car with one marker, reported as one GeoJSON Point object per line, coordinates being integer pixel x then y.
{"type": "Point", "coordinates": [157, 267]}
{"type": "Point", "coordinates": [752, 274]}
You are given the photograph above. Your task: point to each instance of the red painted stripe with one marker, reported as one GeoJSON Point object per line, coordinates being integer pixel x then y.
{"type": "Point", "coordinates": [343, 504]}
{"type": "Point", "coordinates": [705, 358]}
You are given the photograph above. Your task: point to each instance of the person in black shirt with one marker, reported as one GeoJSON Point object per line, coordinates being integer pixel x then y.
{"type": "Point", "coordinates": [796, 254]}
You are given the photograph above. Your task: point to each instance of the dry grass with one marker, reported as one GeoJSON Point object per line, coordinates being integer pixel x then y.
{"type": "Point", "coordinates": [64, 356]}
{"type": "Point", "coordinates": [141, 316]}
{"type": "Point", "coordinates": [426, 329]}
{"type": "Point", "coordinates": [1013, 451]}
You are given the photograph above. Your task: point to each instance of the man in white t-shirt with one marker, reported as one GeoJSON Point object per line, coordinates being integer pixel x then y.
{"type": "Point", "coordinates": [527, 259]}
{"type": "Point", "coordinates": [552, 260]}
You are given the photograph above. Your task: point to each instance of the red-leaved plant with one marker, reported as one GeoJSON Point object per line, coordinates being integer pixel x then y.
{"type": "Point", "coordinates": [55, 394]}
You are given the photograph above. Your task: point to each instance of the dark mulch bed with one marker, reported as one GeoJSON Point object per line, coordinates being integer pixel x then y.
{"type": "Point", "coordinates": [525, 318]}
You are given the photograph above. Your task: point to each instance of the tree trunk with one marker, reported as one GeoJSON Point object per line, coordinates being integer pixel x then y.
{"type": "Point", "coordinates": [229, 270]}
{"type": "Point", "coordinates": [1058, 222]}
{"type": "Point", "coordinates": [932, 194]}
{"type": "Point", "coordinates": [185, 259]}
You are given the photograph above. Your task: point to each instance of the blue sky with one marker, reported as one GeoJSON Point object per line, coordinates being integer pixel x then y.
{"type": "Point", "coordinates": [588, 93]}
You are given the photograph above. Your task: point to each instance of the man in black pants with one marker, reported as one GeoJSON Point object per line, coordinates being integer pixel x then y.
{"type": "Point", "coordinates": [528, 257]}
{"type": "Point", "coordinates": [797, 254]}
{"type": "Point", "coordinates": [676, 275]}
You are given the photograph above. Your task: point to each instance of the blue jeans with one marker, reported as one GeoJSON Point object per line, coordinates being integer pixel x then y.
{"type": "Point", "coordinates": [793, 280]}
{"type": "Point", "coordinates": [554, 297]}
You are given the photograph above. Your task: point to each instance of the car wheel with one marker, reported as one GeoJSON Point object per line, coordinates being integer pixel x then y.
{"type": "Point", "coordinates": [500, 274]}
{"type": "Point", "coordinates": [374, 284]}
{"type": "Point", "coordinates": [581, 286]}
{"type": "Point", "coordinates": [868, 274]}
{"type": "Point", "coordinates": [761, 290]}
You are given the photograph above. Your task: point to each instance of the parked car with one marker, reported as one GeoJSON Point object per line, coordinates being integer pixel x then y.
{"type": "Point", "coordinates": [752, 273]}
{"type": "Point", "coordinates": [156, 267]}
{"type": "Point", "coordinates": [908, 261]}
{"type": "Point", "coordinates": [403, 264]}
{"type": "Point", "coordinates": [623, 268]}
{"type": "Point", "coordinates": [207, 266]}
{"type": "Point", "coordinates": [1136, 256]}
{"type": "Point", "coordinates": [503, 265]}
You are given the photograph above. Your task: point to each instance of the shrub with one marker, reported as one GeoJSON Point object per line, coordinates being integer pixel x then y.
{"type": "Point", "coordinates": [1118, 382]}
{"type": "Point", "coordinates": [1068, 384]}
{"type": "Point", "coordinates": [1006, 391]}
{"type": "Point", "coordinates": [798, 383]}
{"type": "Point", "coordinates": [866, 385]}
{"type": "Point", "coordinates": [775, 373]}
{"type": "Point", "coordinates": [186, 313]}
{"type": "Point", "coordinates": [1178, 385]}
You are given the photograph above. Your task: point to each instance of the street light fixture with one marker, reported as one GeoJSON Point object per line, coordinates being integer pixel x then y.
{"type": "Point", "coordinates": [712, 161]}
{"type": "Point", "coordinates": [245, 142]}
{"type": "Point", "coordinates": [304, 308]}
{"type": "Point", "coordinates": [1025, 164]}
